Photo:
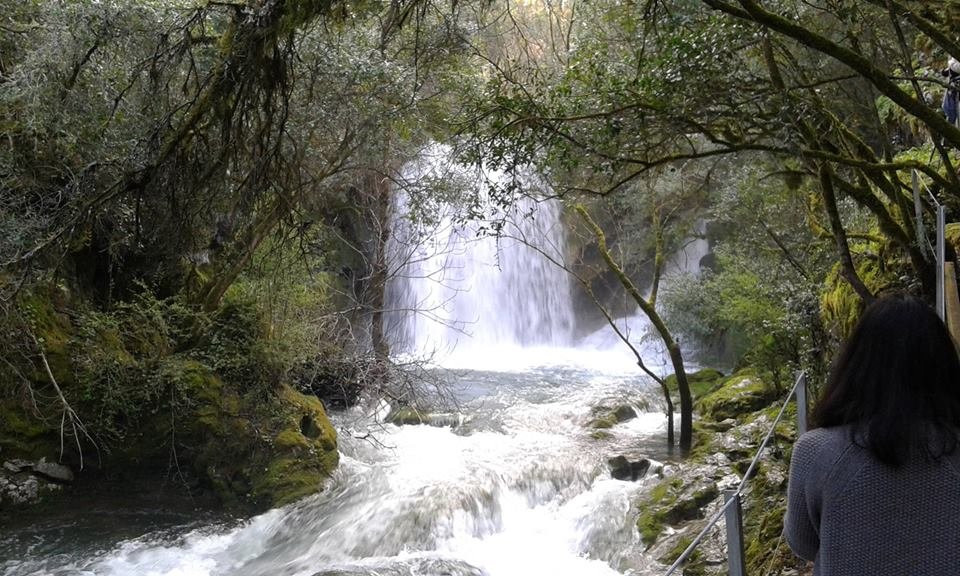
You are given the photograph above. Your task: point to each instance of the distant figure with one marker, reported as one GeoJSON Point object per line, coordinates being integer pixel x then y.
{"type": "Point", "coordinates": [875, 487]}
{"type": "Point", "coordinates": [950, 95]}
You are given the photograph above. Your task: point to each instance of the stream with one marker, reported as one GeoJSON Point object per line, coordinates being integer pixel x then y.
{"type": "Point", "coordinates": [518, 488]}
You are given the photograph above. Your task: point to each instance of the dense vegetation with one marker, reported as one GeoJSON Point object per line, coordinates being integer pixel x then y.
{"type": "Point", "coordinates": [195, 196]}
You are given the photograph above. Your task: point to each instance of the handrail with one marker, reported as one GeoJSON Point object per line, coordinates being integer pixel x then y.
{"type": "Point", "coordinates": [939, 253]}
{"type": "Point", "coordinates": [743, 482]}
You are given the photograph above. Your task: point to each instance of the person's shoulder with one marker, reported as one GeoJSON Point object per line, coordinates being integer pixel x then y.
{"type": "Point", "coordinates": [821, 442]}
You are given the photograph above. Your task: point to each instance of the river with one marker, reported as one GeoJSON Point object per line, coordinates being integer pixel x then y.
{"type": "Point", "coordinates": [520, 487]}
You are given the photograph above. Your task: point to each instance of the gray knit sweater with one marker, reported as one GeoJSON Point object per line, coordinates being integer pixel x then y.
{"type": "Point", "coordinates": [853, 516]}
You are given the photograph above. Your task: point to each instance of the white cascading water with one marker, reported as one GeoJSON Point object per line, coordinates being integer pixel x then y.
{"type": "Point", "coordinates": [459, 292]}
{"type": "Point", "coordinates": [520, 488]}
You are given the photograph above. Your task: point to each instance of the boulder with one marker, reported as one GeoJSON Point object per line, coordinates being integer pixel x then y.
{"type": "Point", "coordinates": [623, 469]}
{"type": "Point", "coordinates": [53, 471]}
{"type": "Point", "coordinates": [606, 416]}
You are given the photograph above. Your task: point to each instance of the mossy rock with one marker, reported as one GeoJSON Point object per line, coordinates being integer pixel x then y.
{"type": "Point", "coordinates": [737, 396]}
{"type": "Point", "coordinates": [22, 435]}
{"type": "Point", "coordinates": [406, 415]}
{"type": "Point", "coordinates": [605, 417]}
{"type": "Point", "coordinates": [284, 452]}
{"type": "Point", "coordinates": [651, 520]}
{"type": "Point", "coordinates": [690, 507]}
{"type": "Point", "coordinates": [701, 382]}
{"type": "Point", "coordinates": [694, 565]}
{"type": "Point", "coordinates": [255, 452]}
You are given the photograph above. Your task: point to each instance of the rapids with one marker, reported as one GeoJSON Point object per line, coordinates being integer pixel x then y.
{"type": "Point", "coordinates": [519, 488]}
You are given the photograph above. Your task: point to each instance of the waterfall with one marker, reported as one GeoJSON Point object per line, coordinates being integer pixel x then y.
{"type": "Point", "coordinates": [457, 288]}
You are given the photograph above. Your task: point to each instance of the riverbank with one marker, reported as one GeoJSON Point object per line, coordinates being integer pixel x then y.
{"type": "Point", "coordinates": [157, 394]}
{"type": "Point", "coordinates": [734, 413]}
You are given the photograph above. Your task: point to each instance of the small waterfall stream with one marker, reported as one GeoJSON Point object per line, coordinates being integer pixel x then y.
{"type": "Point", "coordinates": [520, 488]}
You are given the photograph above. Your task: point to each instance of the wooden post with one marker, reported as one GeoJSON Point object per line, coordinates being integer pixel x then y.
{"type": "Point", "coordinates": [952, 301]}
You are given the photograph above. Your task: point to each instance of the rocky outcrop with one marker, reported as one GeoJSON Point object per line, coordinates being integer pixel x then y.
{"type": "Point", "coordinates": [733, 420]}
{"type": "Point", "coordinates": [27, 482]}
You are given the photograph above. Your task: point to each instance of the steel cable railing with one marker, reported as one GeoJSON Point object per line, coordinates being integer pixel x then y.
{"type": "Point", "coordinates": [735, 497]}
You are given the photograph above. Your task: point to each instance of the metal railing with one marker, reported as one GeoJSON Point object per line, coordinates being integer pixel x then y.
{"type": "Point", "coordinates": [732, 505]}
{"type": "Point", "coordinates": [939, 252]}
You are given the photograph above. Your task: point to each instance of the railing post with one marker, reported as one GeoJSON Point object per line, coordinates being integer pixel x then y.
{"type": "Point", "coordinates": [734, 520]}
{"type": "Point", "coordinates": [802, 405]}
{"type": "Point", "coordinates": [941, 259]}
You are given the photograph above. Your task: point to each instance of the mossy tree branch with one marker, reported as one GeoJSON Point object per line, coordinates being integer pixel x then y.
{"type": "Point", "coordinates": [676, 356]}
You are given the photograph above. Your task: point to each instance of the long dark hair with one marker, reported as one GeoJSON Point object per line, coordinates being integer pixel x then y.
{"type": "Point", "coordinates": [897, 380]}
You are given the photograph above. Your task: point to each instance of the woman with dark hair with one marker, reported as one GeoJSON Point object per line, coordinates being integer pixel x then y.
{"type": "Point", "coordinates": [875, 486]}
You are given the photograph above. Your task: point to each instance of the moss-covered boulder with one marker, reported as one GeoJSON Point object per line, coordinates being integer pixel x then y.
{"type": "Point", "coordinates": [673, 502]}
{"type": "Point", "coordinates": [255, 451]}
{"type": "Point", "coordinates": [737, 396]}
{"type": "Point", "coordinates": [734, 417]}
{"type": "Point", "coordinates": [608, 415]}
{"type": "Point", "coordinates": [701, 382]}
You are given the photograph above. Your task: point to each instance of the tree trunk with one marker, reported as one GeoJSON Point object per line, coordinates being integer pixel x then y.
{"type": "Point", "coordinates": [379, 190]}
{"type": "Point", "coordinates": [847, 267]}
{"type": "Point", "coordinates": [676, 356]}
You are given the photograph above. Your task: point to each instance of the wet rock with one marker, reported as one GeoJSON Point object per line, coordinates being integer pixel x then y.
{"type": "Point", "coordinates": [408, 415]}
{"type": "Point", "coordinates": [607, 416]}
{"type": "Point", "coordinates": [17, 466]}
{"type": "Point", "coordinates": [53, 471]}
{"type": "Point", "coordinates": [729, 482]}
{"type": "Point", "coordinates": [623, 469]}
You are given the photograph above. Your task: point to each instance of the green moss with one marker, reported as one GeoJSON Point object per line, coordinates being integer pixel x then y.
{"type": "Point", "coordinates": [701, 382]}
{"type": "Point", "coordinates": [762, 556]}
{"type": "Point", "coordinates": [601, 435]}
{"type": "Point", "coordinates": [654, 508]}
{"type": "Point", "coordinates": [951, 234]}
{"type": "Point", "coordinates": [840, 306]}
{"type": "Point", "coordinates": [738, 395]}
{"type": "Point", "coordinates": [694, 565]}
{"type": "Point", "coordinates": [286, 480]}
{"type": "Point", "coordinates": [25, 436]}
{"type": "Point", "coordinates": [650, 526]}
{"type": "Point", "coordinates": [291, 439]}
{"type": "Point", "coordinates": [688, 508]}
{"type": "Point", "coordinates": [42, 309]}
{"type": "Point", "coordinates": [605, 417]}
{"type": "Point", "coordinates": [405, 415]}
